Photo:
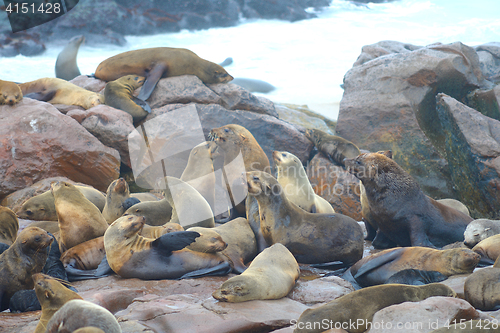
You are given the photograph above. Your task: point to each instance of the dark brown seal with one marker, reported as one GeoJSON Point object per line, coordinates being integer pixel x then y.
{"type": "Point", "coordinates": [9, 226]}
{"type": "Point", "coordinates": [332, 146]}
{"type": "Point", "coordinates": [10, 93]}
{"type": "Point", "coordinates": [405, 216]}
{"type": "Point", "coordinates": [160, 62]}
{"type": "Point", "coordinates": [119, 95]}
{"type": "Point", "coordinates": [312, 238]}
{"type": "Point", "coordinates": [21, 260]}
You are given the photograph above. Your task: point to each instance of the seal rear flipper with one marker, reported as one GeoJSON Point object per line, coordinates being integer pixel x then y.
{"type": "Point", "coordinates": [174, 241]}
{"type": "Point", "coordinates": [152, 79]}
{"type": "Point", "coordinates": [43, 96]}
{"type": "Point", "coordinates": [334, 265]}
{"type": "Point", "coordinates": [378, 262]}
{"type": "Point", "coordinates": [220, 269]}
{"type": "Point", "coordinates": [144, 105]}
{"type": "Point", "coordinates": [102, 270]}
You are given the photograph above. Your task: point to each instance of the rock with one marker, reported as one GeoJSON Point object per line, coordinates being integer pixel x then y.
{"type": "Point", "coordinates": [489, 57]}
{"type": "Point", "coordinates": [301, 120]}
{"type": "Point", "coordinates": [389, 104]}
{"type": "Point", "coordinates": [89, 83]}
{"type": "Point", "coordinates": [456, 282]}
{"type": "Point", "coordinates": [322, 290]}
{"type": "Point", "coordinates": [64, 109]}
{"type": "Point", "coordinates": [424, 316]}
{"type": "Point", "coordinates": [37, 142]}
{"type": "Point", "coordinates": [333, 183]}
{"type": "Point", "coordinates": [486, 101]}
{"type": "Point", "coordinates": [382, 48]}
{"type": "Point", "coordinates": [472, 146]}
{"type": "Point", "coordinates": [109, 125]}
{"type": "Point", "coordinates": [22, 42]}
{"type": "Point", "coordinates": [289, 10]}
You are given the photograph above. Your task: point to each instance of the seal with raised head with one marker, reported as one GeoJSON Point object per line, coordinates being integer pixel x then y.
{"type": "Point", "coordinates": [133, 256]}
{"type": "Point", "coordinates": [404, 215]}
{"type": "Point", "coordinates": [480, 229]}
{"type": "Point", "coordinates": [52, 295]}
{"type": "Point", "coordinates": [160, 62]}
{"type": "Point", "coordinates": [332, 146]}
{"type": "Point", "coordinates": [377, 268]}
{"type": "Point", "coordinates": [10, 93]}
{"type": "Point", "coordinates": [59, 91]}
{"type": "Point", "coordinates": [312, 238]}
{"type": "Point", "coordinates": [271, 275]}
{"type": "Point", "coordinates": [292, 177]}
{"type": "Point", "coordinates": [79, 219]}
{"type": "Point", "coordinates": [359, 306]}
{"type": "Point", "coordinates": [9, 226]}
{"type": "Point", "coordinates": [119, 95]}
{"type": "Point", "coordinates": [21, 260]}
{"type": "Point", "coordinates": [66, 66]}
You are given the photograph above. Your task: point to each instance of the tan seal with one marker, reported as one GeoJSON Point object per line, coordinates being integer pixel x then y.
{"type": "Point", "coordinates": [210, 241]}
{"type": "Point", "coordinates": [85, 256]}
{"type": "Point", "coordinates": [79, 219]}
{"type": "Point", "coordinates": [480, 229]}
{"type": "Point", "coordinates": [482, 289]}
{"type": "Point", "coordinates": [360, 306]}
{"type": "Point", "coordinates": [271, 275]}
{"type": "Point", "coordinates": [489, 248]}
{"type": "Point", "coordinates": [59, 91]}
{"type": "Point", "coordinates": [292, 177]}
{"type": "Point", "coordinates": [160, 62]}
{"type": "Point", "coordinates": [10, 93]}
{"type": "Point", "coordinates": [52, 295]}
{"type": "Point", "coordinates": [119, 95]}
{"type": "Point", "coordinates": [9, 226]}
{"type": "Point", "coordinates": [157, 213]}
{"type": "Point", "coordinates": [133, 256]}
{"type": "Point", "coordinates": [66, 66]}
{"type": "Point", "coordinates": [332, 146]}
{"type": "Point", "coordinates": [21, 260]}
{"type": "Point", "coordinates": [336, 237]}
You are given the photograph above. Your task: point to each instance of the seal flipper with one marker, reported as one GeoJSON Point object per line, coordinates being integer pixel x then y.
{"type": "Point", "coordinates": [43, 96]}
{"type": "Point", "coordinates": [130, 202]}
{"type": "Point", "coordinates": [174, 241]}
{"type": "Point", "coordinates": [378, 262]}
{"type": "Point", "coordinates": [3, 247]}
{"type": "Point", "coordinates": [220, 269]}
{"type": "Point", "coordinates": [102, 270]}
{"type": "Point", "coordinates": [152, 79]}
{"type": "Point", "coordinates": [334, 265]}
{"type": "Point", "coordinates": [144, 105]}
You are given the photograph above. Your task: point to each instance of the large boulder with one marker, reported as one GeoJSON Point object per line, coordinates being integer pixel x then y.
{"type": "Point", "coordinates": [389, 104]}
{"type": "Point", "coordinates": [489, 56]}
{"type": "Point", "coordinates": [37, 142]}
{"type": "Point", "coordinates": [382, 48]}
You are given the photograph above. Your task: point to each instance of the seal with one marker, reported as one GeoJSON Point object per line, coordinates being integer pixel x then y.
{"type": "Point", "coordinates": [480, 229]}
{"type": "Point", "coordinates": [119, 95]}
{"type": "Point", "coordinates": [21, 260]}
{"type": "Point", "coordinates": [359, 306]}
{"type": "Point", "coordinates": [336, 237]}
{"type": "Point", "coordinates": [482, 289]}
{"type": "Point", "coordinates": [405, 216]}
{"type": "Point", "coordinates": [377, 268]}
{"type": "Point", "coordinates": [271, 275]}
{"type": "Point", "coordinates": [489, 248]}
{"type": "Point", "coordinates": [157, 231]}
{"type": "Point", "coordinates": [49, 226]}
{"type": "Point", "coordinates": [41, 207]}
{"type": "Point", "coordinates": [52, 295]}
{"type": "Point", "coordinates": [416, 277]}
{"type": "Point", "coordinates": [9, 226]}
{"type": "Point", "coordinates": [160, 62]}
{"type": "Point", "coordinates": [292, 177]}
{"type": "Point", "coordinates": [66, 66]}
{"type": "Point", "coordinates": [157, 213]}
{"type": "Point", "coordinates": [79, 219]}
{"type": "Point", "coordinates": [455, 204]}
{"type": "Point", "coordinates": [85, 256]}
{"type": "Point", "coordinates": [59, 91]}
{"type": "Point", "coordinates": [10, 93]}
{"type": "Point", "coordinates": [209, 241]}
{"type": "Point", "coordinates": [332, 146]}
{"type": "Point", "coordinates": [133, 256]}
{"type": "Point", "coordinates": [77, 313]}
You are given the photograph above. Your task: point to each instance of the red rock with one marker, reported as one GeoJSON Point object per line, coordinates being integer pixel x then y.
{"type": "Point", "coordinates": [322, 290]}
{"type": "Point", "coordinates": [89, 83]}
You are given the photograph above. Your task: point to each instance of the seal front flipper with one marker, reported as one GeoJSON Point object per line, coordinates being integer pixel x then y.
{"type": "Point", "coordinates": [378, 262]}
{"type": "Point", "coordinates": [43, 96]}
{"type": "Point", "coordinates": [174, 241]}
{"type": "Point", "coordinates": [144, 105]}
{"type": "Point", "coordinates": [221, 269]}
{"type": "Point", "coordinates": [130, 202]}
{"type": "Point", "coordinates": [152, 79]}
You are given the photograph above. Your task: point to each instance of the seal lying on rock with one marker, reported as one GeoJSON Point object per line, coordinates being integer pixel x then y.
{"type": "Point", "coordinates": [332, 146]}
{"type": "Point", "coordinates": [479, 230]}
{"type": "Point", "coordinates": [10, 93]}
{"type": "Point", "coordinates": [118, 94]}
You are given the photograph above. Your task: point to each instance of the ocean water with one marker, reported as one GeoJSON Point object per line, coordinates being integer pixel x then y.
{"type": "Point", "coordinates": [305, 60]}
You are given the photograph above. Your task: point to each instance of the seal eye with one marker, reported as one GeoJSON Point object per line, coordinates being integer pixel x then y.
{"type": "Point", "coordinates": [284, 155]}
{"type": "Point", "coordinates": [255, 178]}
{"type": "Point", "coordinates": [29, 212]}
{"type": "Point", "coordinates": [226, 130]}
{"type": "Point", "coordinates": [37, 239]}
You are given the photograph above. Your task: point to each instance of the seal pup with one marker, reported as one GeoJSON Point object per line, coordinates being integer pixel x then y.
{"type": "Point", "coordinates": [332, 146]}
{"type": "Point", "coordinates": [79, 219]}
{"type": "Point", "coordinates": [292, 177]}
{"type": "Point", "coordinates": [160, 62]}
{"type": "Point", "coordinates": [404, 215]}
{"type": "Point", "coordinates": [10, 93]}
{"type": "Point", "coordinates": [336, 237]}
{"type": "Point", "coordinates": [133, 256]}
{"type": "Point", "coordinates": [85, 256]}
{"type": "Point", "coordinates": [9, 226]}
{"type": "Point", "coordinates": [77, 313]}
{"type": "Point", "coordinates": [66, 66]}
{"type": "Point", "coordinates": [359, 306]}
{"type": "Point", "coordinates": [271, 275]}
{"type": "Point", "coordinates": [21, 260]}
{"type": "Point", "coordinates": [59, 91]}
{"type": "Point", "coordinates": [119, 95]}
{"type": "Point", "coordinates": [480, 229]}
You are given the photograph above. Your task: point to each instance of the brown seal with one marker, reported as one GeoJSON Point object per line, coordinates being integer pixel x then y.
{"type": "Point", "coordinates": [455, 204]}
{"type": "Point", "coordinates": [377, 268]}
{"type": "Point", "coordinates": [489, 247]}
{"type": "Point", "coordinates": [9, 226]}
{"type": "Point", "coordinates": [52, 295]}
{"type": "Point", "coordinates": [359, 306]}
{"type": "Point", "coordinates": [85, 256]}
{"type": "Point", "coordinates": [271, 275]}
{"type": "Point", "coordinates": [41, 207]}
{"type": "Point", "coordinates": [482, 289]}
{"type": "Point", "coordinates": [160, 62]}
{"type": "Point", "coordinates": [10, 93]}
{"type": "Point", "coordinates": [79, 219]}
{"type": "Point", "coordinates": [20, 261]}
{"type": "Point", "coordinates": [404, 215]}
{"type": "Point", "coordinates": [133, 256]}
{"type": "Point", "coordinates": [332, 146]}
{"type": "Point", "coordinates": [49, 226]}
{"type": "Point", "coordinates": [292, 177]}
{"type": "Point", "coordinates": [66, 66]}
{"type": "Point", "coordinates": [157, 231]}
{"type": "Point", "coordinates": [77, 313]}
{"type": "Point", "coordinates": [157, 213]}
{"type": "Point", "coordinates": [59, 91]}
{"type": "Point", "coordinates": [210, 241]}
{"type": "Point", "coordinates": [119, 95]}
{"type": "Point", "coordinates": [336, 237]}
{"type": "Point", "coordinates": [480, 229]}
